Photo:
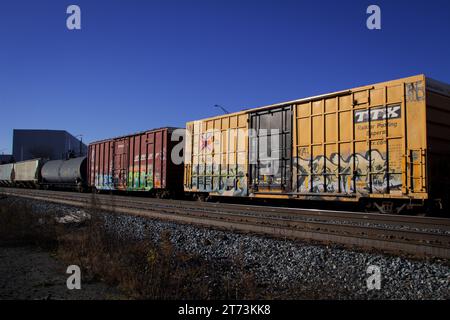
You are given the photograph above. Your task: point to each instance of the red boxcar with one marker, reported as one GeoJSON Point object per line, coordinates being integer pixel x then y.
{"type": "Point", "coordinates": [137, 162]}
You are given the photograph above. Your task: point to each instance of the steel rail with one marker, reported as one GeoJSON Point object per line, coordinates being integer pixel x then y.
{"type": "Point", "coordinates": [410, 242]}
{"type": "Point", "coordinates": [316, 214]}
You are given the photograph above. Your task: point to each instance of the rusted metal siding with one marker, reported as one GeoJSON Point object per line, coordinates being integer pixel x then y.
{"type": "Point", "coordinates": [138, 162]}
{"type": "Point", "coordinates": [216, 157]}
{"type": "Point", "coordinates": [146, 165]}
{"type": "Point", "coordinates": [100, 165]}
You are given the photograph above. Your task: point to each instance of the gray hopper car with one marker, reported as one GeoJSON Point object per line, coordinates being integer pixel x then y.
{"type": "Point", "coordinates": [28, 173]}
{"type": "Point", "coordinates": [6, 174]}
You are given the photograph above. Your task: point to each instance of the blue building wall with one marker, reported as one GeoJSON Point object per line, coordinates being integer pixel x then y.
{"type": "Point", "coordinates": [51, 144]}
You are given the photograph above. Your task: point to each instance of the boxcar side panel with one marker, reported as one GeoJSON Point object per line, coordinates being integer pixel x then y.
{"type": "Point", "coordinates": [27, 171]}
{"type": "Point", "coordinates": [157, 162]}
{"type": "Point", "coordinates": [216, 158]}
{"type": "Point", "coordinates": [120, 164]}
{"type": "Point", "coordinates": [356, 144]}
{"type": "Point", "coordinates": [6, 174]}
{"type": "Point", "coordinates": [366, 142]}
{"type": "Point", "coordinates": [147, 161]}
{"type": "Point", "coordinates": [135, 172]}
{"type": "Point", "coordinates": [139, 162]}
{"type": "Point", "coordinates": [100, 165]}
{"type": "Point", "coordinates": [415, 184]}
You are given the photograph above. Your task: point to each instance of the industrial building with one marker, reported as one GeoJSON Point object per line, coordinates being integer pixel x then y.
{"type": "Point", "coordinates": [49, 144]}
{"type": "Point", "coordinates": [6, 158]}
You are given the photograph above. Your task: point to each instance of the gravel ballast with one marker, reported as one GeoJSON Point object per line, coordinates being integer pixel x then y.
{"type": "Point", "coordinates": [307, 270]}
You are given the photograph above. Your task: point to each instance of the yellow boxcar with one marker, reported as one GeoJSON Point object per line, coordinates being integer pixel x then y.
{"type": "Point", "coordinates": [388, 143]}
{"type": "Point", "coordinates": [216, 156]}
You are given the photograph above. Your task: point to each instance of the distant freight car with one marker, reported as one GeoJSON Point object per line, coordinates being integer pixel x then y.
{"type": "Point", "coordinates": [137, 162]}
{"type": "Point", "coordinates": [6, 174]}
{"type": "Point", "coordinates": [385, 145]}
{"type": "Point", "coordinates": [28, 173]}
{"type": "Point", "coordinates": [69, 173]}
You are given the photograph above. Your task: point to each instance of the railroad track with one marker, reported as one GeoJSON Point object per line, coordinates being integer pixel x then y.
{"type": "Point", "coordinates": [412, 235]}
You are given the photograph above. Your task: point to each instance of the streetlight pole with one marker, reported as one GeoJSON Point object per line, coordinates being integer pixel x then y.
{"type": "Point", "coordinates": [81, 143]}
{"type": "Point", "coordinates": [223, 109]}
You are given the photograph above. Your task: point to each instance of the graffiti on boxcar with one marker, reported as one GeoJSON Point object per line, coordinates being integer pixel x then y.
{"type": "Point", "coordinates": [415, 91]}
{"type": "Point", "coordinates": [235, 186]}
{"type": "Point", "coordinates": [233, 182]}
{"type": "Point", "coordinates": [224, 186]}
{"type": "Point", "coordinates": [104, 182]}
{"type": "Point", "coordinates": [158, 183]}
{"type": "Point", "coordinates": [206, 142]}
{"type": "Point", "coordinates": [140, 180]}
{"type": "Point", "coordinates": [322, 174]}
{"type": "Point", "coordinates": [214, 169]}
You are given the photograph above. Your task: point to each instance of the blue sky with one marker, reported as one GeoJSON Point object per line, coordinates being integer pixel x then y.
{"type": "Point", "coordinates": [137, 65]}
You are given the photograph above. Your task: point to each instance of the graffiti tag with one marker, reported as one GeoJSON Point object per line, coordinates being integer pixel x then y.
{"type": "Point", "coordinates": [415, 91]}
{"type": "Point", "coordinates": [334, 174]}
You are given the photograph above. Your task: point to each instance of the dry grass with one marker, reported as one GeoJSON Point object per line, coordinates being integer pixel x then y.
{"type": "Point", "coordinates": [142, 269]}
{"type": "Point", "coordinates": [20, 226]}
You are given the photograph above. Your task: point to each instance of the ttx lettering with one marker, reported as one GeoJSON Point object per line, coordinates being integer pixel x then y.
{"type": "Point", "coordinates": [377, 114]}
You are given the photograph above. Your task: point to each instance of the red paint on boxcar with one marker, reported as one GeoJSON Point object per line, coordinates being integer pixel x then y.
{"type": "Point", "coordinates": [137, 162]}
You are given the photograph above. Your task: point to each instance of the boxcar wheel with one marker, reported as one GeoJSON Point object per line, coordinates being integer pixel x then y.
{"type": "Point", "coordinates": [202, 197]}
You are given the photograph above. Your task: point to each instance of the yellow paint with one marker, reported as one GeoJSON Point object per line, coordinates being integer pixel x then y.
{"type": "Point", "coordinates": [335, 127]}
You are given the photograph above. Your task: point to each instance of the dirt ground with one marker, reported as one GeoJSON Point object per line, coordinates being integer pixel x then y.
{"type": "Point", "coordinates": [29, 273]}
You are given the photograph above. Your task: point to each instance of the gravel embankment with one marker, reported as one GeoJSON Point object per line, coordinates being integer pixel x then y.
{"type": "Point", "coordinates": [309, 270]}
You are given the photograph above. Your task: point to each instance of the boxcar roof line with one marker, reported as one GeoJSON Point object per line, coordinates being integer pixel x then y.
{"type": "Point", "coordinates": [133, 134]}
{"type": "Point", "coordinates": [321, 96]}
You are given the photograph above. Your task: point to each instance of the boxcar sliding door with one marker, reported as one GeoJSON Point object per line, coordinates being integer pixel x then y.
{"type": "Point", "coordinates": [270, 150]}
{"type": "Point", "coordinates": [120, 166]}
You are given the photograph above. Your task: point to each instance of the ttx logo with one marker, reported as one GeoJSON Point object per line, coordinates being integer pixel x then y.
{"type": "Point", "coordinates": [376, 114]}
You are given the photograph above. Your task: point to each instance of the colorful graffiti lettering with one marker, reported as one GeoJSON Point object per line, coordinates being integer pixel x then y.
{"type": "Point", "coordinates": [137, 181]}
{"type": "Point", "coordinates": [323, 175]}
{"type": "Point", "coordinates": [104, 182]}
{"type": "Point", "coordinates": [140, 181]}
